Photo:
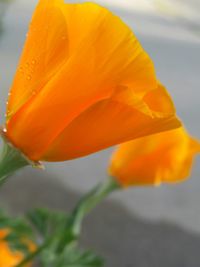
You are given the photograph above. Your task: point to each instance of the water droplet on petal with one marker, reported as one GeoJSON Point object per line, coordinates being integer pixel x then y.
{"type": "Point", "coordinates": [29, 77]}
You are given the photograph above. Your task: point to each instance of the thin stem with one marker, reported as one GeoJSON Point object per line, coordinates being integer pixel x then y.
{"type": "Point", "coordinates": [10, 161]}
{"type": "Point", "coordinates": [90, 201]}
{"type": "Point", "coordinates": [84, 206]}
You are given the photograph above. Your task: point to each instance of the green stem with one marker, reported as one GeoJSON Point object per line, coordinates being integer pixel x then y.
{"type": "Point", "coordinates": [90, 201]}
{"type": "Point", "coordinates": [84, 206]}
{"type": "Point", "coordinates": [10, 160]}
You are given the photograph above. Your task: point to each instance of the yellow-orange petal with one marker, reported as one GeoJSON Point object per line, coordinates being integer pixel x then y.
{"type": "Point", "coordinates": [112, 121]}
{"type": "Point", "coordinates": [100, 54]}
{"type": "Point", "coordinates": [164, 157]}
{"type": "Point", "coordinates": [9, 257]}
{"type": "Point", "coordinates": [45, 51]}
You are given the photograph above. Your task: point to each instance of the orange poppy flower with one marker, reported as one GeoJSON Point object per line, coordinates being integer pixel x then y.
{"type": "Point", "coordinates": [9, 257]}
{"type": "Point", "coordinates": [83, 83]}
{"type": "Point", "coordinates": [164, 157]}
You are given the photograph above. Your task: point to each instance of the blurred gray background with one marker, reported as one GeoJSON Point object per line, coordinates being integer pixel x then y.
{"type": "Point", "coordinates": [140, 227]}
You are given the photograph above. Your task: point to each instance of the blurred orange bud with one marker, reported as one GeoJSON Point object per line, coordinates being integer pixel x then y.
{"type": "Point", "coordinates": [9, 257]}
{"type": "Point", "coordinates": [83, 83]}
{"type": "Point", "coordinates": [164, 157]}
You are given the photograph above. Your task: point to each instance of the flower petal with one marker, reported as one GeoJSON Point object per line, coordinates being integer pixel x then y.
{"type": "Point", "coordinates": [46, 49]}
{"type": "Point", "coordinates": [121, 118]}
{"type": "Point", "coordinates": [167, 157]}
{"type": "Point", "coordinates": [101, 54]}
{"type": "Point", "coordinates": [8, 256]}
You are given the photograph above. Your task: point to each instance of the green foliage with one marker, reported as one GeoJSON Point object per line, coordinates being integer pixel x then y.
{"type": "Point", "coordinates": [47, 222]}
{"type": "Point", "coordinates": [57, 233]}
{"type": "Point", "coordinates": [71, 256]}
{"type": "Point", "coordinates": [18, 225]}
{"type": "Point", "coordinates": [52, 226]}
{"type": "Point", "coordinates": [19, 232]}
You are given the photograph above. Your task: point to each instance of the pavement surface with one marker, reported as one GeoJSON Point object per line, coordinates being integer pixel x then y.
{"type": "Point", "coordinates": [140, 227]}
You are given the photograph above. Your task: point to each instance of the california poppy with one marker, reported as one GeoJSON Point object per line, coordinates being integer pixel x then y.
{"type": "Point", "coordinates": [8, 256]}
{"type": "Point", "coordinates": [83, 83]}
{"type": "Point", "coordinates": [164, 157]}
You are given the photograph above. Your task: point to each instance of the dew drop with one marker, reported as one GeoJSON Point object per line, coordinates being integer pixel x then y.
{"type": "Point", "coordinates": [29, 77]}
{"type": "Point", "coordinates": [33, 62]}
